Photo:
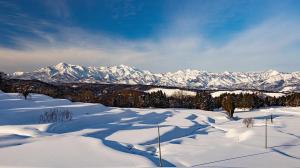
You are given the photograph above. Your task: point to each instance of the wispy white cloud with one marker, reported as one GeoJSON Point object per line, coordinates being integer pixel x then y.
{"type": "Point", "coordinates": [270, 45]}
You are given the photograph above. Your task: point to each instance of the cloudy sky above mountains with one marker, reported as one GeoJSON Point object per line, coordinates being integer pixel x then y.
{"type": "Point", "coordinates": [158, 35]}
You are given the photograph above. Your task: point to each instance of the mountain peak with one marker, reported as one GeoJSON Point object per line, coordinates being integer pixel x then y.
{"type": "Point", "coordinates": [272, 72]}
{"type": "Point", "coordinates": [61, 65]}
{"type": "Point", "coordinates": [123, 74]}
{"type": "Point", "coordinates": [123, 66]}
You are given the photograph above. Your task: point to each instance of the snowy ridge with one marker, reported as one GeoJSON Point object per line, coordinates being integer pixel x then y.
{"type": "Point", "coordinates": [267, 80]}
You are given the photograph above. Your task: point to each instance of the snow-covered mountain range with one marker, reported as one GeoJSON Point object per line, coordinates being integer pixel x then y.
{"type": "Point", "coordinates": [267, 80]}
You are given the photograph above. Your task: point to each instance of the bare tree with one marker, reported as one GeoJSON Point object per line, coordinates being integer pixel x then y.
{"type": "Point", "coordinates": [25, 91]}
{"type": "Point", "coordinates": [228, 105]}
{"type": "Point", "coordinates": [249, 122]}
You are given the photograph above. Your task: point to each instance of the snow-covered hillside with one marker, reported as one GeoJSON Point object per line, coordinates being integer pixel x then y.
{"type": "Point", "coordinates": [268, 80]}
{"type": "Point", "coordinates": [127, 137]}
{"type": "Point", "coordinates": [172, 92]}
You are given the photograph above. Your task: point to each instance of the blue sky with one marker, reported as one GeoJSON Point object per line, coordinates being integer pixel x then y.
{"type": "Point", "coordinates": [157, 35]}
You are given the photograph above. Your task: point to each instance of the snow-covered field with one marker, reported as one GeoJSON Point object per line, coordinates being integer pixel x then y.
{"type": "Point", "coordinates": [99, 136]}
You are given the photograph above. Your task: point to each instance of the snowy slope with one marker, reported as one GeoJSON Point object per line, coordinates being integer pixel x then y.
{"type": "Point", "coordinates": [267, 80]}
{"type": "Point", "coordinates": [100, 136]}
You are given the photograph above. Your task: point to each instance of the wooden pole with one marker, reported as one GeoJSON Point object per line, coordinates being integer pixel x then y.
{"type": "Point", "coordinates": [160, 161]}
{"type": "Point", "coordinates": [266, 133]}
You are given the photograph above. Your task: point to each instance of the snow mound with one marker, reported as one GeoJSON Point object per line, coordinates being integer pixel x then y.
{"type": "Point", "coordinates": [239, 135]}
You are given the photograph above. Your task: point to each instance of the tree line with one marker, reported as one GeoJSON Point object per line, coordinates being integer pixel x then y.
{"type": "Point", "coordinates": [125, 97]}
{"type": "Point", "coordinates": [204, 101]}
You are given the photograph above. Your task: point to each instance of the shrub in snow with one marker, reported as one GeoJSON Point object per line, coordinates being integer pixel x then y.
{"type": "Point", "coordinates": [248, 122]}
{"type": "Point", "coordinates": [55, 115]}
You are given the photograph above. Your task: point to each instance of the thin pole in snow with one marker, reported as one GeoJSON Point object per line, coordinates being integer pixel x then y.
{"type": "Point", "coordinates": [266, 133]}
{"type": "Point", "coordinates": [160, 161]}
{"type": "Point", "coordinates": [271, 118]}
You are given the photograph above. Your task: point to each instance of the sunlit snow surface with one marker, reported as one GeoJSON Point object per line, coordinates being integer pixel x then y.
{"type": "Point", "coordinates": [100, 136]}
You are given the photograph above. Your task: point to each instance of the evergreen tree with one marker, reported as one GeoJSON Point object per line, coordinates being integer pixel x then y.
{"type": "Point", "coordinates": [204, 101]}
{"type": "Point", "coordinates": [1, 77]}
{"type": "Point", "coordinates": [157, 99]}
{"type": "Point", "coordinates": [293, 100]}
